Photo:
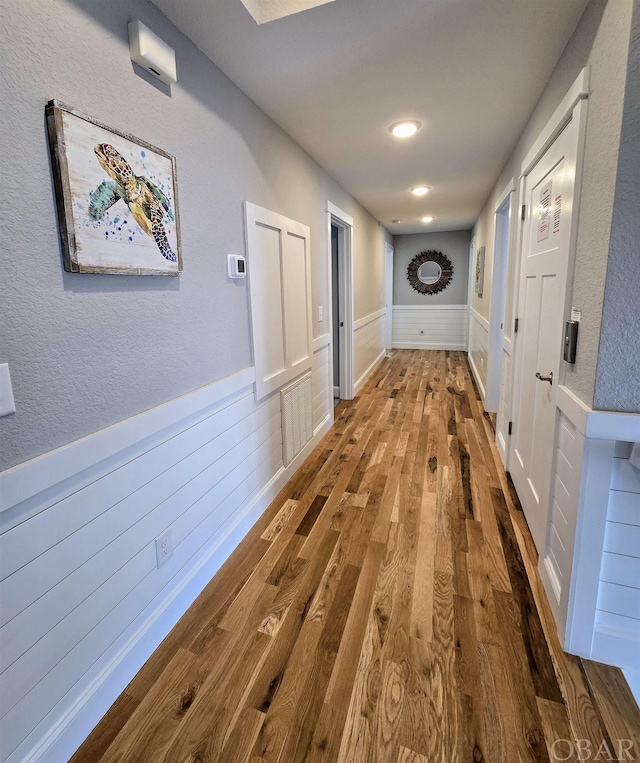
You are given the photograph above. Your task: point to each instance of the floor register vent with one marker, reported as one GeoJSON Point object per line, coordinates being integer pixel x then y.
{"type": "Point", "coordinates": [297, 426]}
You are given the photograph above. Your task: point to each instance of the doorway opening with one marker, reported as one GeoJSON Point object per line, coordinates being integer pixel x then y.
{"type": "Point", "coordinates": [340, 271]}
{"type": "Point", "coordinates": [389, 295]}
{"type": "Point", "coordinates": [502, 225]}
{"type": "Point", "coordinates": [335, 310]}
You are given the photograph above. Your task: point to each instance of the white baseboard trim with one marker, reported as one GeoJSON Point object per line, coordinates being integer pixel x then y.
{"type": "Point", "coordinates": [367, 373]}
{"type": "Point", "coordinates": [476, 376]}
{"type": "Point", "coordinates": [430, 346]}
{"type": "Point", "coordinates": [62, 739]}
{"type": "Point", "coordinates": [80, 719]}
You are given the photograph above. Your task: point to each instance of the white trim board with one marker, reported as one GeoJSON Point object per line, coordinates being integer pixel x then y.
{"type": "Point", "coordinates": [578, 91]}
{"type": "Point", "coordinates": [476, 376]}
{"type": "Point", "coordinates": [431, 308]}
{"type": "Point", "coordinates": [321, 341]}
{"type": "Point", "coordinates": [362, 379]}
{"type": "Point", "coordinates": [454, 346]}
{"type": "Point", "coordinates": [23, 484]}
{"type": "Point", "coordinates": [478, 344]}
{"type": "Point", "coordinates": [362, 322]}
{"type": "Point", "coordinates": [480, 319]}
{"type": "Point", "coordinates": [508, 189]}
{"type": "Point", "coordinates": [598, 425]}
{"type": "Point", "coordinates": [334, 209]}
{"type": "Point", "coordinates": [344, 221]}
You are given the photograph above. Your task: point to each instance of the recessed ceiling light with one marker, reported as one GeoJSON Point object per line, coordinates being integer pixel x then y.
{"type": "Point", "coordinates": [420, 190]}
{"type": "Point", "coordinates": [405, 129]}
{"type": "Point", "coordinates": [427, 219]}
{"type": "Point", "coordinates": [396, 221]}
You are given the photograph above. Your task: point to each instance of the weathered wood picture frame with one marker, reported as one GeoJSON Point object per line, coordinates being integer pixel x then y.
{"type": "Point", "coordinates": [116, 197]}
{"type": "Point", "coordinates": [479, 279]}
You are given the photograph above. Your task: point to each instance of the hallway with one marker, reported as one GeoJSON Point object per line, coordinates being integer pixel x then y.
{"type": "Point", "coordinates": [386, 607]}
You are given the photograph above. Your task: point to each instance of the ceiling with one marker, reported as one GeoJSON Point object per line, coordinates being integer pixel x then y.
{"type": "Point", "coordinates": [336, 76]}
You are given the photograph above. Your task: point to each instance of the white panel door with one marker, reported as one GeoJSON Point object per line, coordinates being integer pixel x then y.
{"type": "Point", "coordinates": [548, 195]}
{"type": "Point", "coordinates": [280, 289]}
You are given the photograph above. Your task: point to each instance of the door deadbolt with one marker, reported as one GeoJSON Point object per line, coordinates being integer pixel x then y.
{"type": "Point", "coordinates": [545, 378]}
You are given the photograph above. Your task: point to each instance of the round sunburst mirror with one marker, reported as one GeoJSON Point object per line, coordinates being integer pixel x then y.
{"type": "Point", "coordinates": [430, 272]}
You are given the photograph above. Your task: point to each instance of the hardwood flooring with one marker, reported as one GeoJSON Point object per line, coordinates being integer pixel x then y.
{"type": "Point", "coordinates": [387, 607]}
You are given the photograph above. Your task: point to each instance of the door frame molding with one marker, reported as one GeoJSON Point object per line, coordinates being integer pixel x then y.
{"type": "Point", "coordinates": [388, 285]}
{"type": "Point", "coordinates": [344, 223]}
{"type": "Point", "coordinates": [496, 308]}
{"type": "Point", "coordinates": [577, 92]}
{"type": "Point", "coordinates": [472, 258]}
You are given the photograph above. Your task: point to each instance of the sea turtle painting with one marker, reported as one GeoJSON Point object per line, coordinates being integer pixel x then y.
{"type": "Point", "coordinates": [147, 203]}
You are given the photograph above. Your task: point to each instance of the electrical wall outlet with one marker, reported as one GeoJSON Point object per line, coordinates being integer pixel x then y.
{"type": "Point", "coordinates": [164, 547]}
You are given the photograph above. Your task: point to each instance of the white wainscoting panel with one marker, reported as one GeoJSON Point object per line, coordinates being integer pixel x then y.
{"type": "Point", "coordinates": [83, 602]}
{"type": "Point", "coordinates": [617, 625]}
{"type": "Point", "coordinates": [557, 559]}
{"type": "Point", "coordinates": [478, 348]}
{"type": "Point", "coordinates": [430, 327]}
{"type": "Point", "coordinates": [504, 405]}
{"type": "Point", "coordinates": [321, 382]}
{"type": "Point", "coordinates": [590, 566]}
{"type": "Point", "coordinates": [369, 343]}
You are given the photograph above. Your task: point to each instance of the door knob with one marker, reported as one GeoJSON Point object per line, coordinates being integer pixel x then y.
{"type": "Point", "coordinates": [545, 378]}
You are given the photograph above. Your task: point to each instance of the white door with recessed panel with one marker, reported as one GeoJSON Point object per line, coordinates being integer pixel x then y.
{"type": "Point", "coordinates": [548, 193]}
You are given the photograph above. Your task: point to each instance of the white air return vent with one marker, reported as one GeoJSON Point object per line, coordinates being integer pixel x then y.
{"type": "Point", "coordinates": [297, 426]}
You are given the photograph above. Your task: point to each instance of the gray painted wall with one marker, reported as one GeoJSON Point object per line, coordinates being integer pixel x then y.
{"type": "Point", "coordinates": [453, 244]}
{"type": "Point", "coordinates": [618, 375]}
{"type": "Point", "coordinates": [86, 351]}
{"type": "Point", "coordinates": [601, 41]}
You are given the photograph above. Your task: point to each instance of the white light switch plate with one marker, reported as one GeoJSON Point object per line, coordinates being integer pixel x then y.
{"type": "Point", "coordinates": [319, 313]}
{"type": "Point", "coordinates": [7, 403]}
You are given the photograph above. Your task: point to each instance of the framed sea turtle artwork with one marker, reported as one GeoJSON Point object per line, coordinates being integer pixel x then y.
{"type": "Point", "coordinates": [116, 197]}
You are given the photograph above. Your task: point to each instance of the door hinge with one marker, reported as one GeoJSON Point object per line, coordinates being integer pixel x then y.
{"type": "Point", "coordinates": [524, 211]}
{"type": "Point", "coordinates": [515, 327]}
{"type": "Point", "coordinates": [510, 427]}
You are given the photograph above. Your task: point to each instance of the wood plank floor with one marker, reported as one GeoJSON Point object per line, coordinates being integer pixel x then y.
{"type": "Point", "coordinates": [386, 607]}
